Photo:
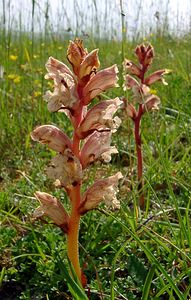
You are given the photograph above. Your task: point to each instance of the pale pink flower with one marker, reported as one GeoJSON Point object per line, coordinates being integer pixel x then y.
{"type": "Point", "coordinates": [55, 67]}
{"type": "Point", "coordinates": [64, 95]}
{"type": "Point", "coordinates": [53, 209]}
{"type": "Point", "coordinates": [97, 146]}
{"type": "Point", "coordinates": [151, 103]}
{"type": "Point", "coordinates": [102, 190]}
{"type": "Point", "coordinates": [102, 81]}
{"type": "Point", "coordinates": [157, 76]}
{"type": "Point", "coordinates": [66, 168]}
{"type": "Point", "coordinates": [100, 118]}
{"type": "Point", "coordinates": [55, 138]}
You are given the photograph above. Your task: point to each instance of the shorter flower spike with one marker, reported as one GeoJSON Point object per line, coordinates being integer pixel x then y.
{"type": "Point", "coordinates": [55, 138]}
{"type": "Point", "coordinates": [102, 190]}
{"type": "Point", "coordinates": [145, 55]}
{"type": "Point", "coordinates": [66, 168]}
{"type": "Point", "coordinates": [100, 118]}
{"type": "Point", "coordinates": [103, 80]}
{"type": "Point", "coordinates": [97, 146]}
{"type": "Point", "coordinates": [53, 209]}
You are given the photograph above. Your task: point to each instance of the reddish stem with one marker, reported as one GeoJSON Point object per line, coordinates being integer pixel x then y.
{"type": "Point", "coordinates": [75, 197]}
{"type": "Point", "coordinates": [138, 142]}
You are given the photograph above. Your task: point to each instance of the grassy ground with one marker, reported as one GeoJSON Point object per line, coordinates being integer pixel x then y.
{"type": "Point", "coordinates": [129, 254]}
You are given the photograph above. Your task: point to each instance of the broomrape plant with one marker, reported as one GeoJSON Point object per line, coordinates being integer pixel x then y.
{"type": "Point", "coordinates": [143, 100]}
{"type": "Point", "coordinates": [92, 131]}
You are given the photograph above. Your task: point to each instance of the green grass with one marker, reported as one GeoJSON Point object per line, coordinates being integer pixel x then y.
{"type": "Point", "coordinates": [129, 254]}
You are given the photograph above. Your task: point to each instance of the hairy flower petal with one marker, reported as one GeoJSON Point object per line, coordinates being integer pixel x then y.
{"type": "Point", "coordinates": [102, 81]}
{"type": "Point", "coordinates": [55, 138]}
{"type": "Point", "coordinates": [52, 208]}
{"type": "Point", "coordinates": [97, 146]}
{"type": "Point", "coordinates": [66, 168]}
{"type": "Point", "coordinates": [102, 190]}
{"type": "Point", "coordinates": [100, 118]}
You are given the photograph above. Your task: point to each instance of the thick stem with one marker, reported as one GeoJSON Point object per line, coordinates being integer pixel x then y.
{"type": "Point", "coordinates": [73, 232]}
{"type": "Point", "coordinates": [138, 142]}
{"type": "Point", "coordinates": [75, 197]}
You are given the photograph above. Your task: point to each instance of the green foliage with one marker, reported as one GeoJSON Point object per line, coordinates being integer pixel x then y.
{"type": "Point", "coordinates": [127, 254]}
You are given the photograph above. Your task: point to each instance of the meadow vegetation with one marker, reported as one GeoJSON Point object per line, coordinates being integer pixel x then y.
{"type": "Point", "coordinates": [129, 253]}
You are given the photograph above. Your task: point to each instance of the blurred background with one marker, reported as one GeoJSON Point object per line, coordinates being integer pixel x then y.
{"type": "Point", "coordinates": [98, 18]}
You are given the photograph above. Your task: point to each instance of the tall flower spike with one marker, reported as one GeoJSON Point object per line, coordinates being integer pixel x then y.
{"type": "Point", "coordinates": [71, 94]}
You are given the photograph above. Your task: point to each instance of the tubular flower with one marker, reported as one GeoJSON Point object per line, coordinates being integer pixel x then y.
{"type": "Point", "coordinates": [157, 76]}
{"type": "Point", "coordinates": [99, 83]}
{"type": "Point", "coordinates": [64, 94]}
{"type": "Point", "coordinates": [102, 190]}
{"type": "Point", "coordinates": [100, 118]}
{"type": "Point", "coordinates": [55, 67]}
{"type": "Point", "coordinates": [53, 209]}
{"type": "Point", "coordinates": [55, 138]}
{"type": "Point", "coordinates": [66, 168]}
{"type": "Point", "coordinates": [97, 146]}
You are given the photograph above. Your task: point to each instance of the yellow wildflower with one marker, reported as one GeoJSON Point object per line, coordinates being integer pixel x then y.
{"type": "Point", "coordinates": [16, 78]}
{"type": "Point", "coordinates": [13, 57]}
{"type": "Point", "coordinates": [37, 94]}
